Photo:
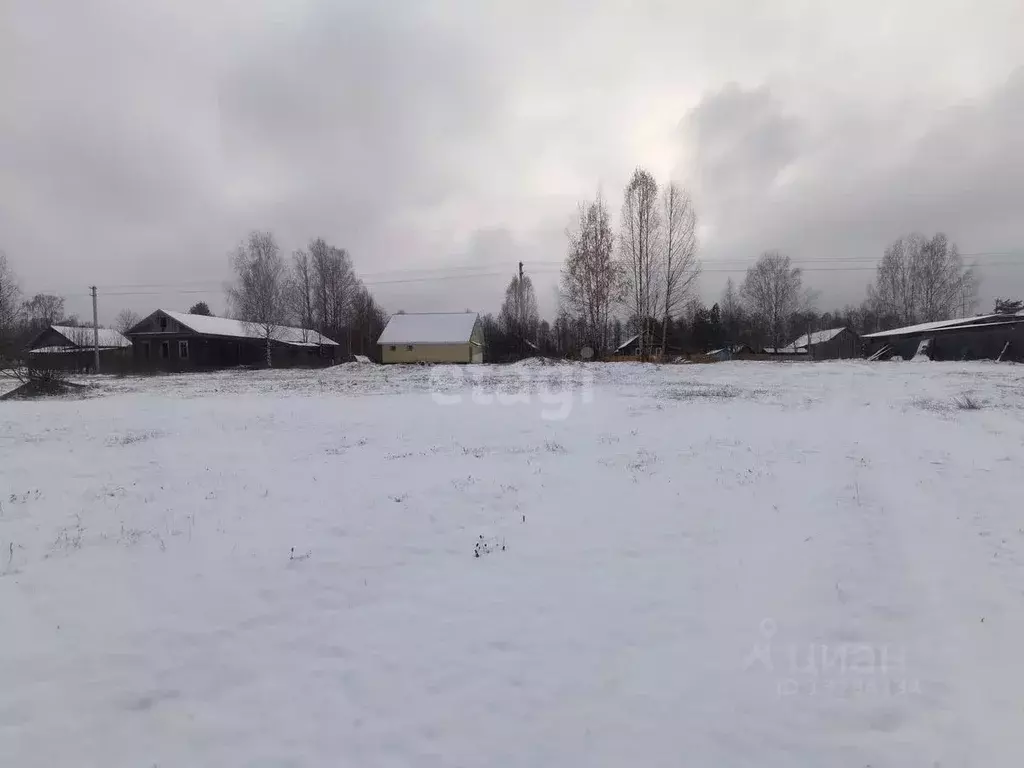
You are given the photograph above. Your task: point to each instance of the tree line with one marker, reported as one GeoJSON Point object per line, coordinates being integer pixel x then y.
{"type": "Point", "coordinates": [638, 281]}
{"type": "Point", "coordinates": [634, 278]}
{"type": "Point", "coordinates": [317, 291]}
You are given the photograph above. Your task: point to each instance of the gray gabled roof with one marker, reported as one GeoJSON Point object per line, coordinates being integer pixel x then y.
{"type": "Point", "coordinates": [809, 340]}
{"type": "Point", "coordinates": [627, 342]}
{"type": "Point", "coordinates": [82, 337]}
{"type": "Point", "coordinates": [943, 325]}
{"type": "Point", "coordinates": [429, 328]}
{"type": "Point", "coordinates": [205, 325]}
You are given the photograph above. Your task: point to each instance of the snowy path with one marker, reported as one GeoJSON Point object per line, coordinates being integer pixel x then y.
{"type": "Point", "coordinates": [765, 565]}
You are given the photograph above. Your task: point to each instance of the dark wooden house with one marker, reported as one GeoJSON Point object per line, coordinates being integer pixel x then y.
{"type": "Point", "coordinates": [175, 341]}
{"type": "Point", "coordinates": [73, 348]}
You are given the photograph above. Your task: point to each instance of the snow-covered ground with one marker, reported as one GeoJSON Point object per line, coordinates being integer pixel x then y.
{"type": "Point", "coordinates": [738, 564]}
{"type": "Point", "coordinates": [8, 383]}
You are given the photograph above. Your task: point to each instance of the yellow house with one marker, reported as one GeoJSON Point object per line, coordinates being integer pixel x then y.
{"type": "Point", "coordinates": [432, 337]}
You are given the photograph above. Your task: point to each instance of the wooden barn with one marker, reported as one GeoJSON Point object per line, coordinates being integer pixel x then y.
{"type": "Point", "coordinates": [983, 337]}
{"type": "Point", "coordinates": [175, 341]}
{"type": "Point", "coordinates": [831, 344]}
{"type": "Point", "coordinates": [72, 348]}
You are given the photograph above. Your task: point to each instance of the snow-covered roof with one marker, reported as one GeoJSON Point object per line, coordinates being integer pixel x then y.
{"type": "Point", "coordinates": [83, 337]}
{"type": "Point", "coordinates": [429, 328]}
{"type": "Point", "coordinates": [735, 349]}
{"type": "Point", "coordinates": [957, 324]}
{"type": "Point", "coordinates": [206, 325]}
{"type": "Point", "coordinates": [816, 337]}
{"type": "Point", "coordinates": [1010, 320]}
{"type": "Point", "coordinates": [627, 342]}
{"type": "Point", "coordinates": [75, 350]}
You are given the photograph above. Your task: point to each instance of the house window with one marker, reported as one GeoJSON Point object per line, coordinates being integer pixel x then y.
{"type": "Point", "coordinates": [165, 350]}
{"type": "Point", "coordinates": [393, 347]}
{"type": "Point", "coordinates": [163, 323]}
{"type": "Point", "coordinates": [408, 347]}
{"type": "Point", "coordinates": [145, 350]}
{"type": "Point", "coordinates": [183, 350]}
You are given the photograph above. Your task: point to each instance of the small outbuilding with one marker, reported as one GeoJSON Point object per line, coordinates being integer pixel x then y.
{"type": "Point", "coordinates": [176, 341]}
{"type": "Point", "coordinates": [73, 348]}
{"type": "Point", "coordinates": [432, 337]}
{"type": "Point", "coordinates": [629, 348]}
{"type": "Point", "coordinates": [732, 352]}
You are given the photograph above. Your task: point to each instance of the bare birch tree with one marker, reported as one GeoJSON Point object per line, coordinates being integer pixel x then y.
{"type": "Point", "coordinates": [731, 308]}
{"type": "Point", "coordinates": [679, 251]}
{"type": "Point", "coordinates": [10, 310]}
{"type": "Point", "coordinates": [302, 292]}
{"type": "Point", "coordinates": [639, 247]}
{"type": "Point", "coordinates": [43, 309]}
{"type": "Point", "coordinates": [773, 292]}
{"type": "Point", "coordinates": [258, 295]}
{"type": "Point", "coordinates": [519, 316]}
{"type": "Point", "coordinates": [893, 292]}
{"type": "Point", "coordinates": [590, 282]}
{"type": "Point", "coordinates": [126, 320]}
{"type": "Point", "coordinates": [948, 288]}
{"type": "Point", "coordinates": [368, 321]}
{"type": "Point", "coordinates": [921, 280]}
{"type": "Point", "coordinates": [335, 288]}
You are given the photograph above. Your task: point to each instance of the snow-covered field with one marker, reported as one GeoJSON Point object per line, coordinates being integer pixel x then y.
{"type": "Point", "coordinates": [743, 564]}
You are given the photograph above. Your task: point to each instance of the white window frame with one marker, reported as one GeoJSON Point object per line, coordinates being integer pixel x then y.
{"type": "Point", "coordinates": [183, 349]}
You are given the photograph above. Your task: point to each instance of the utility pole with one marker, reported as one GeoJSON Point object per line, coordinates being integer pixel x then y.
{"type": "Point", "coordinates": [521, 320]}
{"type": "Point", "coordinates": [95, 332]}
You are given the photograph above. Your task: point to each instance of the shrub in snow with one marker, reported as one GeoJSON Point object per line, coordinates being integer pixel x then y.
{"type": "Point", "coordinates": [966, 403]}
{"type": "Point", "coordinates": [484, 546]}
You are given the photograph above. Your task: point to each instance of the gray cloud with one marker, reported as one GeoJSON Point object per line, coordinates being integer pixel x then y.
{"type": "Point", "coordinates": [140, 141]}
{"type": "Point", "coordinates": [846, 187]}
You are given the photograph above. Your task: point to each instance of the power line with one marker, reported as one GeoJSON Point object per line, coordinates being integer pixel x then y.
{"type": "Point", "coordinates": [714, 266]}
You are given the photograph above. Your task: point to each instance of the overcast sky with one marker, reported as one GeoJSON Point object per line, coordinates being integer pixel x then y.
{"type": "Point", "coordinates": [140, 141]}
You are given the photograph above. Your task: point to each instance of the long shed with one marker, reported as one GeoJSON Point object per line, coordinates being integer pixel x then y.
{"type": "Point", "coordinates": [983, 337]}
{"type": "Point", "coordinates": [176, 341]}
